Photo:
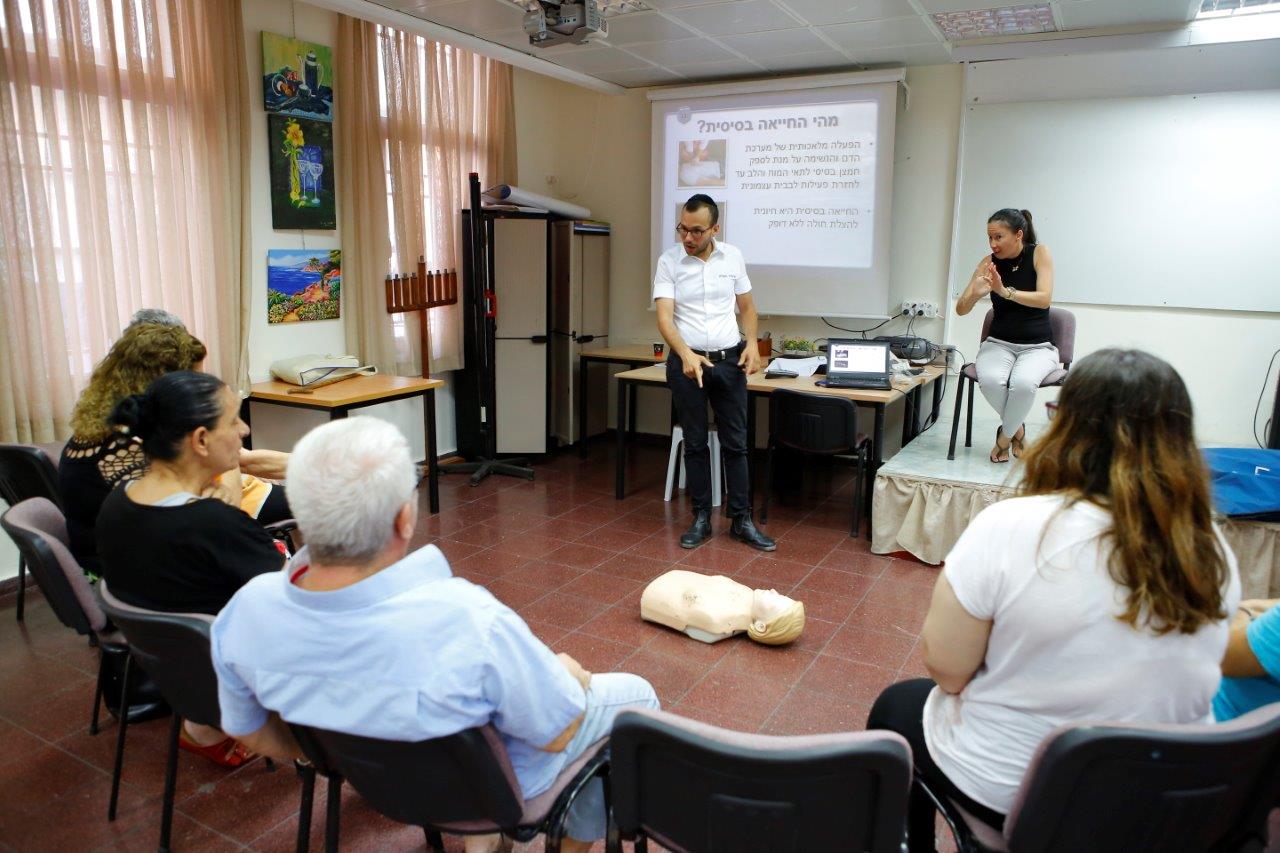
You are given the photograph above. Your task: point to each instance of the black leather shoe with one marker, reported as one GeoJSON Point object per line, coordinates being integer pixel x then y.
{"type": "Point", "coordinates": [698, 533]}
{"type": "Point", "coordinates": [744, 529]}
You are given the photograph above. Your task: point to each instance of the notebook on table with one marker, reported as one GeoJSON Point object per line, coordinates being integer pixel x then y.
{"type": "Point", "coordinates": [858, 364]}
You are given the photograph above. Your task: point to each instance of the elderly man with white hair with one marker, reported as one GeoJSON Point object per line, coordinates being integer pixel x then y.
{"type": "Point", "coordinates": [357, 635]}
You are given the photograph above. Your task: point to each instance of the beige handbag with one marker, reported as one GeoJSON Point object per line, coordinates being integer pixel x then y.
{"type": "Point", "coordinates": [311, 371]}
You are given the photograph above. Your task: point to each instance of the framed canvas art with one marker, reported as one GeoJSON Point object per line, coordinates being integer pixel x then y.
{"type": "Point", "coordinates": [297, 77]}
{"type": "Point", "coordinates": [302, 182]}
{"type": "Point", "coordinates": [303, 285]}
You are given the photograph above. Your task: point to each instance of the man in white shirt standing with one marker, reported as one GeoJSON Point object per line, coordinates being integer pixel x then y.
{"type": "Point", "coordinates": [698, 286]}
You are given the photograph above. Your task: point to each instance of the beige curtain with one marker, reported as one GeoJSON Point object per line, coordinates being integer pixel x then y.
{"type": "Point", "coordinates": [123, 152]}
{"type": "Point", "coordinates": [443, 113]}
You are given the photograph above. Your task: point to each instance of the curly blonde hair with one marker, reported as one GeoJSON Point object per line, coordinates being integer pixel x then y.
{"type": "Point", "coordinates": [143, 353]}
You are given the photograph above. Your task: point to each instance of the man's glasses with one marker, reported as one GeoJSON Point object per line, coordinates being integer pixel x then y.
{"type": "Point", "coordinates": [695, 232]}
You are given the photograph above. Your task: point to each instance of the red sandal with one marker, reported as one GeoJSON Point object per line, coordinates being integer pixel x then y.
{"type": "Point", "coordinates": [226, 752]}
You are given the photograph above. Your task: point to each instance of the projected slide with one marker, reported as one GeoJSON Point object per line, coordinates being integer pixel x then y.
{"type": "Point", "coordinates": [799, 179]}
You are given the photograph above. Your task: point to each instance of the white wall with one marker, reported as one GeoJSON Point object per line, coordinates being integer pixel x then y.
{"type": "Point", "coordinates": [273, 426]}
{"type": "Point", "coordinates": [598, 148]}
{"type": "Point", "coordinates": [1222, 355]}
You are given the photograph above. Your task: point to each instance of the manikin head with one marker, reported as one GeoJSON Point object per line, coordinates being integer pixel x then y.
{"type": "Point", "coordinates": [351, 485]}
{"type": "Point", "coordinates": [775, 619]}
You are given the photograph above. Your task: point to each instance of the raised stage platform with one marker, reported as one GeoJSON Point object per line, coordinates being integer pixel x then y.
{"type": "Point", "coordinates": [923, 502]}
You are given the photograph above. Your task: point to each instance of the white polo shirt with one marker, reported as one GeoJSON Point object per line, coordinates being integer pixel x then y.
{"type": "Point", "coordinates": [704, 292]}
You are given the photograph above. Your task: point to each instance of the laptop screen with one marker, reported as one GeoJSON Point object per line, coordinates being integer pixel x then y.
{"type": "Point", "coordinates": [857, 357]}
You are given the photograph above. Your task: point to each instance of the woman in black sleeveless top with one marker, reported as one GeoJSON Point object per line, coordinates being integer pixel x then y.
{"type": "Point", "coordinates": [1018, 353]}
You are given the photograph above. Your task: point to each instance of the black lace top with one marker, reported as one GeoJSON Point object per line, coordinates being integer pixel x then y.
{"type": "Point", "coordinates": [86, 475]}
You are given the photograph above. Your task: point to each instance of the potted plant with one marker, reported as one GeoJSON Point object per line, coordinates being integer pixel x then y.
{"type": "Point", "coordinates": [800, 347]}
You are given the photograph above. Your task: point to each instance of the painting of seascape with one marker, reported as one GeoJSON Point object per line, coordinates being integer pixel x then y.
{"type": "Point", "coordinates": [303, 285]}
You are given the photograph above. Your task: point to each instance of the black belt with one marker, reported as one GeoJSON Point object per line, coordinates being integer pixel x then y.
{"type": "Point", "coordinates": [716, 355]}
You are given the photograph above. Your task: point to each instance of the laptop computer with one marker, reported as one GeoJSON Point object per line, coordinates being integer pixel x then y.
{"type": "Point", "coordinates": [858, 364]}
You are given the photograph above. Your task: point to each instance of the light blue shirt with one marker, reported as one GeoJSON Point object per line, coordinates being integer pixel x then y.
{"type": "Point", "coordinates": [407, 654]}
{"type": "Point", "coordinates": [1239, 696]}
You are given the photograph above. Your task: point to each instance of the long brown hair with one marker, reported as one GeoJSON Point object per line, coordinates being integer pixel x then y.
{"type": "Point", "coordinates": [1123, 439]}
{"type": "Point", "coordinates": [143, 353]}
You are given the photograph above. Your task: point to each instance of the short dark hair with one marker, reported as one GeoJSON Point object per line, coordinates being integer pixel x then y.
{"type": "Point", "coordinates": [702, 201]}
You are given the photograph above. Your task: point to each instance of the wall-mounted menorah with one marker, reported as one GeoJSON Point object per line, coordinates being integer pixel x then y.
{"type": "Point", "coordinates": [422, 291]}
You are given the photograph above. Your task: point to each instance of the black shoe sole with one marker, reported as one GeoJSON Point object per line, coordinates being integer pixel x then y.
{"type": "Point", "coordinates": [745, 541]}
{"type": "Point", "coordinates": [694, 545]}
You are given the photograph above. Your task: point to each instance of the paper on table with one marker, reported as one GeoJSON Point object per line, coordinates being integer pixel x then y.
{"type": "Point", "coordinates": [799, 366]}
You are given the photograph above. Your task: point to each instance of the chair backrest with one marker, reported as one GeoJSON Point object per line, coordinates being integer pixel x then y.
{"type": "Point", "coordinates": [1109, 787]}
{"type": "Point", "coordinates": [814, 423]}
{"type": "Point", "coordinates": [27, 472]}
{"type": "Point", "coordinates": [38, 528]}
{"type": "Point", "coordinates": [462, 777]}
{"type": "Point", "coordinates": [696, 787]}
{"type": "Point", "coordinates": [1062, 332]}
{"type": "Point", "coordinates": [172, 648]}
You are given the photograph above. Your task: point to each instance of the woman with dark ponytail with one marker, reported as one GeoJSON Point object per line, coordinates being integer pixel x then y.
{"type": "Point", "coordinates": [1018, 353]}
{"type": "Point", "coordinates": [175, 539]}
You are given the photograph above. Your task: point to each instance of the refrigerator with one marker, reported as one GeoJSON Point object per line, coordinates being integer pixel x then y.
{"type": "Point", "coordinates": [579, 323]}
{"type": "Point", "coordinates": [519, 245]}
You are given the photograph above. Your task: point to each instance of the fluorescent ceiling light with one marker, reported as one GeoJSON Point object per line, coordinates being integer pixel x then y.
{"type": "Point", "coordinates": [1223, 8]}
{"type": "Point", "coordinates": [991, 23]}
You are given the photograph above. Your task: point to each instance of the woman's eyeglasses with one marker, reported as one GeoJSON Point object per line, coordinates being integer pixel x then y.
{"type": "Point", "coordinates": [696, 232]}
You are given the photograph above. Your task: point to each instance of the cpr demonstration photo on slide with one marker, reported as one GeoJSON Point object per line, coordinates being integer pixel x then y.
{"type": "Point", "coordinates": [807, 175]}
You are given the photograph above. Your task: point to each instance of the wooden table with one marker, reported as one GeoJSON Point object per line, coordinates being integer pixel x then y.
{"type": "Point", "coordinates": [339, 398]}
{"type": "Point", "coordinates": [632, 355]}
{"type": "Point", "coordinates": [758, 386]}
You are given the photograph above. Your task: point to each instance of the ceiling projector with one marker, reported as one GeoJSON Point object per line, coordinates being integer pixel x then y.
{"type": "Point", "coordinates": [551, 22]}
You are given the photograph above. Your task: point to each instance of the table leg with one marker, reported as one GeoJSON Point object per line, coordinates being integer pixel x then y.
{"type": "Point", "coordinates": [582, 405]}
{"type": "Point", "coordinates": [244, 416]}
{"type": "Point", "coordinates": [338, 414]}
{"type": "Point", "coordinates": [632, 408]}
{"type": "Point", "coordinates": [620, 474]}
{"type": "Point", "coordinates": [433, 467]}
{"type": "Point", "coordinates": [877, 459]}
{"type": "Point", "coordinates": [938, 383]}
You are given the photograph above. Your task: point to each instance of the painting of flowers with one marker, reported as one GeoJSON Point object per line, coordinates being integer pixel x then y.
{"type": "Point", "coordinates": [303, 285]}
{"type": "Point", "coordinates": [301, 174]}
{"type": "Point", "coordinates": [297, 77]}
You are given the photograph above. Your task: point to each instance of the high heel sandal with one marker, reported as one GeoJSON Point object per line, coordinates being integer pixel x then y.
{"type": "Point", "coordinates": [999, 449]}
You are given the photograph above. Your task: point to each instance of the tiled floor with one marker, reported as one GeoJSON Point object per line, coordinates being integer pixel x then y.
{"type": "Point", "coordinates": [568, 557]}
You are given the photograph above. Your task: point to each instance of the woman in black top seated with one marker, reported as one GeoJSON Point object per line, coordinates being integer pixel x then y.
{"type": "Point", "coordinates": [97, 458]}
{"type": "Point", "coordinates": [1018, 353]}
{"type": "Point", "coordinates": [163, 544]}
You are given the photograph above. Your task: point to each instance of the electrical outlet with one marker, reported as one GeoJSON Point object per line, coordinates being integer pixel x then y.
{"type": "Point", "coordinates": [930, 310]}
{"type": "Point", "coordinates": [908, 308]}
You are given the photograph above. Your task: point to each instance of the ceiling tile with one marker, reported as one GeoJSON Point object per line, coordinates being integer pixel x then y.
{"type": "Point", "coordinates": [742, 16]}
{"type": "Point", "coordinates": [680, 52]}
{"type": "Point", "coordinates": [1084, 14]}
{"type": "Point", "coordinates": [595, 59]}
{"type": "Point", "coordinates": [721, 68]}
{"type": "Point", "coordinates": [641, 77]}
{"type": "Point", "coordinates": [827, 60]}
{"type": "Point", "coordinates": [646, 26]}
{"type": "Point", "coordinates": [517, 39]}
{"type": "Point", "coordinates": [846, 11]}
{"type": "Point", "coordinates": [476, 16]}
{"type": "Point", "coordinates": [912, 54]}
{"type": "Point", "coordinates": [873, 34]}
{"type": "Point", "coordinates": [776, 43]}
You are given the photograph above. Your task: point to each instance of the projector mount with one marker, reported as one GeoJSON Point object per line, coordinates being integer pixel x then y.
{"type": "Point", "coordinates": [552, 22]}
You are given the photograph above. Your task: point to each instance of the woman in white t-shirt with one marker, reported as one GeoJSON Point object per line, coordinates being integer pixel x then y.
{"type": "Point", "coordinates": [1102, 593]}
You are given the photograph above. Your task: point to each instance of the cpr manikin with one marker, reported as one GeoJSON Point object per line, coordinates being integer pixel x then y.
{"type": "Point", "coordinates": [710, 608]}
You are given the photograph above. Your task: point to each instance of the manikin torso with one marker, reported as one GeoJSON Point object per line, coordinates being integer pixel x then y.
{"type": "Point", "coordinates": [710, 608]}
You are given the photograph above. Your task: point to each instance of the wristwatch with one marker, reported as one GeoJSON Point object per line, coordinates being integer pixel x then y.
{"type": "Point", "coordinates": [1008, 292]}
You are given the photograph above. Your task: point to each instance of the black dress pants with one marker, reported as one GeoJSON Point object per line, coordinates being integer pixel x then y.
{"type": "Point", "coordinates": [900, 708]}
{"type": "Point", "coordinates": [724, 385]}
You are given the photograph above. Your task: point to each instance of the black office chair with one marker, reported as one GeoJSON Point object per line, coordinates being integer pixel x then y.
{"type": "Point", "coordinates": [173, 648]}
{"type": "Point", "coordinates": [39, 530]}
{"type": "Point", "coordinates": [697, 788]}
{"type": "Point", "coordinates": [26, 471]}
{"type": "Point", "coordinates": [462, 784]}
{"type": "Point", "coordinates": [822, 425]}
{"type": "Point", "coordinates": [1115, 788]}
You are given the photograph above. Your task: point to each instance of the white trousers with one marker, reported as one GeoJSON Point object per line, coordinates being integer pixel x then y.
{"type": "Point", "coordinates": [1009, 375]}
